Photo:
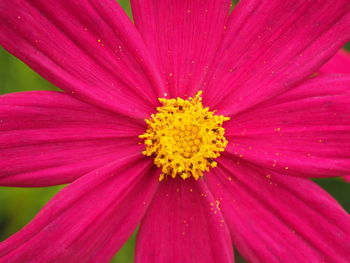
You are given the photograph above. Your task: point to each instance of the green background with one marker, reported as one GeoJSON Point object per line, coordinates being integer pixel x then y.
{"type": "Point", "coordinates": [19, 205]}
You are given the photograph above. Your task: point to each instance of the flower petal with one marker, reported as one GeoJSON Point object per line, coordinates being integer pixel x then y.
{"type": "Point", "coordinates": [340, 63]}
{"type": "Point", "coordinates": [270, 46]}
{"type": "Point", "coordinates": [49, 138]}
{"type": "Point", "coordinates": [183, 37]}
{"type": "Point", "coordinates": [183, 224]}
{"type": "Point", "coordinates": [304, 132]}
{"type": "Point", "coordinates": [89, 220]}
{"type": "Point", "coordinates": [89, 48]}
{"type": "Point", "coordinates": [279, 218]}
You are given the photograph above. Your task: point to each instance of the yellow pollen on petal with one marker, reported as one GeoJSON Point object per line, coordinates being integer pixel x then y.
{"type": "Point", "coordinates": [184, 137]}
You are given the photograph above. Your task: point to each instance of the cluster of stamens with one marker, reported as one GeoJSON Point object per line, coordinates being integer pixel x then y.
{"type": "Point", "coordinates": [184, 137]}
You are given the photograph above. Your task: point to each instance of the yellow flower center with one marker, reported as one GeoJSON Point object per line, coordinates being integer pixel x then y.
{"type": "Point", "coordinates": [184, 137]}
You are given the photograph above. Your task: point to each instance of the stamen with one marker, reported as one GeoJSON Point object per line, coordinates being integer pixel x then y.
{"type": "Point", "coordinates": [184, 137]}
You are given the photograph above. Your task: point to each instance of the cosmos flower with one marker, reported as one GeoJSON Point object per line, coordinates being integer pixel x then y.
{"type": "Point", "coordinates": [235, 127]}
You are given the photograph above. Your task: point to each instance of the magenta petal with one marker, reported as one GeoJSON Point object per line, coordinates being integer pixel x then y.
{"type": "Point", "coordinates": [340, 63]}
{"type": "Point", "coordinates": [304, 132]}
{"type": "Point", "coordinates": [270, 46]}
{"type": "Point", "coordinates": [183, 224]}
{"type": "Point", "coordinates": [89, 48]}
{"type": "Point", "coordinates": [277, 218]}
{"type": "Point", "coordinates": [183, 37]}
{"type": "Point", "coordinates": [89, 220]}
{"type": "Point", "coordinates": [49, 138]}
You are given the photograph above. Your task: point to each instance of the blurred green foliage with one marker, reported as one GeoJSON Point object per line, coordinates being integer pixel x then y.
{"type": "Point", "coordinates": [19, 205]}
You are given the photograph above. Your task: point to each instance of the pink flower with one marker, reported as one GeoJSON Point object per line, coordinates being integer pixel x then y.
{"type": "Point", "coordinates": [253, 66]}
